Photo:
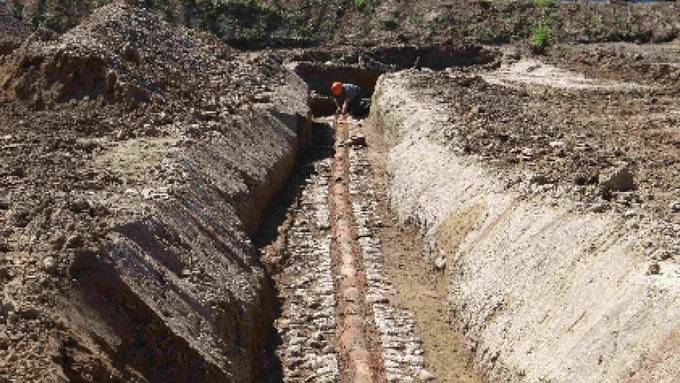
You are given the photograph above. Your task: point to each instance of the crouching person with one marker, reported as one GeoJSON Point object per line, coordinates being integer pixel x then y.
{"type": "Point", "coordinates": [347, 98]}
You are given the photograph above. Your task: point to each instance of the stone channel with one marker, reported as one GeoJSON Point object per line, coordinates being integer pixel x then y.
{"type": "Point", "coordinates": [334, 294]}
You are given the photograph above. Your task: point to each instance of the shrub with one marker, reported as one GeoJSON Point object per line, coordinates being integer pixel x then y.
{"type": "Point", "coordinates": [540, 37]}
{"type": "Point", "coordinates": [17, 10]}
{"type": "Point", "coordinates": [360, 4]}
{"type": "Point", "coordinates": [391, 22]}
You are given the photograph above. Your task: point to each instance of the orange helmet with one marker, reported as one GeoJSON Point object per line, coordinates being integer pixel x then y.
{"type": "Point", "coordinates": [336, 88]}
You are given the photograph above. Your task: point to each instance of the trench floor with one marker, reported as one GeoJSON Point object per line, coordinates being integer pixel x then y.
{"type": "Point", "coordinates": [358, 303]}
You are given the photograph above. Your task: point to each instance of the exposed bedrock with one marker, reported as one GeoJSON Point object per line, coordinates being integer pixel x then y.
{"type": "Point", "coordinates": [541, 292]}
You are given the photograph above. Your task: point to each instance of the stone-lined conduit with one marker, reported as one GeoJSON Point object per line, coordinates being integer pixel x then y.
{"type": "Point", "coordinates": [401, 346]}
{"type": "Point", "coordinates": [307, 324]}
{"type": "Point", "coordinates": [352, 330]}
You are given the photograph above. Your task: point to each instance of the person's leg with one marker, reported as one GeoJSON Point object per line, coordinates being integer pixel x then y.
{"type": "Point", "coordinates": [355, 106]}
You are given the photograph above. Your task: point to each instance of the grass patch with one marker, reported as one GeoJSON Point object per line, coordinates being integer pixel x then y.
{"type": "Point", "coordinates": [391, 22]}
{"type": "Point", "coordinates": [540, 37]}
{"type": "Point", "coordinates": [544, 3]}
{"type": "Point", "coordinates": [17, 10]}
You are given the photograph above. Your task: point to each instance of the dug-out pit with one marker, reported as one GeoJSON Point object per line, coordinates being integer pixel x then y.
{"type": "Point", "coordinates": [363, 68]}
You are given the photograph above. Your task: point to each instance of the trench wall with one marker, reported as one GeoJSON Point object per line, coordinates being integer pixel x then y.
{"type": "Point", "coordinates": [541, 294]}
{"type": "Point", "coordinates": [179, 294]}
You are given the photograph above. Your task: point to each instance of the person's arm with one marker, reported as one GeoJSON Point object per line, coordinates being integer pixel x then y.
{"type": "Point", "coordinates": [345, 106]}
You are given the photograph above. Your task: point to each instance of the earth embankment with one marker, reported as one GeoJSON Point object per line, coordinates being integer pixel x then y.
{"type": "Point", "coordinates": [137, 161]}
{"type": "Point", "coordinates": [544, 286]}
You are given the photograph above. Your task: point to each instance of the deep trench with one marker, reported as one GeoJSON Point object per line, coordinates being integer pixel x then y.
{"type": "Point", "coordinates": [319, 76]}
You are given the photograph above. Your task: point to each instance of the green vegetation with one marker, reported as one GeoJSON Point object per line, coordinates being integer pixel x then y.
{"type": "Point", "coordinates": [544, 3]}
{"type": "Point", "coordinates": [540, 37]}
{"type": "Point", "coordinates": [245, 21]}
{"type": "Point", "coordinates": [17, 10]}
{"type": "Point", "coordinates": [416, 20]}
{"type": "Point", "coordinates": [360, 4]}
{"type": "Point", "coordinates": [598, 23]}
{"type": "Point", "coordinates": [390, 22]}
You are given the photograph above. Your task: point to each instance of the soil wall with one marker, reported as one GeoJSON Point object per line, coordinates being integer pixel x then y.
{"type": "Point", "coordinates": [541, 293]}
{"type": "Point", "coordinates": [131, 261]}
{"type": "Point", "coordinates": [180, 295]}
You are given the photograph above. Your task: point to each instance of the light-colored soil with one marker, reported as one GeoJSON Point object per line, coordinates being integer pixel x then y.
{"type": "Point", "coordinates": [535, 72]}
{"type": "Point", "coordinates": [544, 289]}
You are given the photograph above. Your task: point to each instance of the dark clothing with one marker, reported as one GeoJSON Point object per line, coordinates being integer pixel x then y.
{"type": "Point", "coordinates": [352, 93]}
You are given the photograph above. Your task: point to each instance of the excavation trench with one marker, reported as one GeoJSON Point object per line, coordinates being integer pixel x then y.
{"type": "Point", "coordinates": [339, 317]}
{"type": "Point", "coordinates": [345, 310]}
{"type": "Point", "coordinates": [320, 69]}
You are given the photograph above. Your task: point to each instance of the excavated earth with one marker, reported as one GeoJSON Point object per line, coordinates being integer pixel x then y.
{"type": "Point", "coordinates": [548, 201]}
{"type": "Point", "coordinates": [172, 211]}
{"type": "Point", "coordinates": [136, 161]}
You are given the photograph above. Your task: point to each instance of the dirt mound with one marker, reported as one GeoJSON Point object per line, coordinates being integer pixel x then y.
{"type": "Point", "coordinates": [652, 64]}
{"type": "Point", "coordinates": [136, 159]}
{"type": "Point", "coordinates": [113, 57]}
{"type": "Point", "coordinates": [565, 131]}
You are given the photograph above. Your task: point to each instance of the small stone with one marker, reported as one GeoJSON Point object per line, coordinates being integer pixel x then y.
{"type": "Point", "coordinates": [49, 263]}
{"type": "Point", "coordinates": [538, 179]}
{"type": "Point", "coordinates": [654, 269]}
{"type": "Point", "coordinates": [558, 144]}
{"type": "Point", "coordinates": [675, 206]}
{"type": "Point", "coordinates": [425, 376]}
{"type": "Point", "coordinates": [74, 241]}
{"type": "Point", "coordinates": [131, 53]}
{"type": "Point", "coordinates": [440, 263]}
{"type": "Point", "coordinates": [111, 80]}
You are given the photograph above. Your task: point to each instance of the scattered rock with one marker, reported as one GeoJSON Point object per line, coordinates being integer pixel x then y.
{"type": "Point", "coordinates": [49, 263]}
{"type": "Point", "coordinates": [426, 376]}
{"type": "Point", "coordinates": [538, 179]}
{"type": "Point", "coordinates": [675, 206]}
{"type": "Point", "coordinates": [356, 140]}
{"type": "Point", "coordinates": [131, 54]}
{"type": "Point", "coordinates": [617, 179]}
{"type": "Point", "coordinates": [74, 241]}
{"type": "Point", "coordinates": [654, 269]}
{"type": "Point", "coordinates": [599, 207]}
{"type": "Point", "coordinates": [581, 179]}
